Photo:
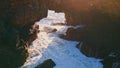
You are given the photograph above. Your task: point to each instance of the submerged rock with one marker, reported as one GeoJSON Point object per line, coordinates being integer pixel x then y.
{"type": "Point", "coordinates": [46, 64]}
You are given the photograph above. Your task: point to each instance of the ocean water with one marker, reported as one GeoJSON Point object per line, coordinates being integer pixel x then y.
{"type": "Point", "coordinates": [49, 45]}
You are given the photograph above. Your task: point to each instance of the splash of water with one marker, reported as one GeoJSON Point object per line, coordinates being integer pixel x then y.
{"type": "Point", "coordinates": [49, 45]}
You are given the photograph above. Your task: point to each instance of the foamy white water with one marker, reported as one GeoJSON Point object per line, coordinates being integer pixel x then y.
{"type": "Point", "coordinates": [49, 45]}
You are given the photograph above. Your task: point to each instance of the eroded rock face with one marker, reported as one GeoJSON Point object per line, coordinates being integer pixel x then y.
{"type": "Point", "coordinates": [74, 34]}
{"type": "Point", "coordinates": [19, 13]}
{"type": "Point", "coordinates": [16, 20]}
{"type": "Point", "coordinates": [85, 11]}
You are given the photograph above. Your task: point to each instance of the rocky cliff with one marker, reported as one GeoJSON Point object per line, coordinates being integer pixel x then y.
{"type": "Point", "coordinates": [16, 20]}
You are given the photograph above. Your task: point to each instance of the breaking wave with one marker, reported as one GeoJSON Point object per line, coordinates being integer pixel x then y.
{"type": "Point", "coordinates": [49, 45]}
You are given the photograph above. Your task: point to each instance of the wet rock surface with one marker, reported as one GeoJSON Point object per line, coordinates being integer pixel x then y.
{"type": "Point", "coordinates": [46, 64]}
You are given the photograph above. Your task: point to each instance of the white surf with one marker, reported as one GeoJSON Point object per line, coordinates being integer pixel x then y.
{"type": "Point", "coordinates": [49, 45]}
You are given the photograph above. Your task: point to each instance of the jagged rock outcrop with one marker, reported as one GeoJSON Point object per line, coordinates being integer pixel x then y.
{"type": "Point", "coordinates": [16, 20]}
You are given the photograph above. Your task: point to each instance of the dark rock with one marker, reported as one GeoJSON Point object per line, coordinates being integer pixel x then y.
{"type": "Point", "coordinates": [99, 41]}
{"type": "Point", "coordinates": [11, 56]}
{"type": "Point", "coordinates": [74, 34]}
{"type": "Point", "coordinates": [86, 12]}
{"type": "Point", "coordinates": [112, 61]}
{"type": "Point", "coordinates": [16, 20]}
{"type": "Point", "coordinates": [49, 29]}
{"type": "Point", "coordinates": [46, 64]}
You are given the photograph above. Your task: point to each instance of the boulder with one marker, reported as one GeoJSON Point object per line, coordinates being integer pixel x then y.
{"type": "Point", "coordinates": [47, 64]}
{"type": "Point", "coordinates": [74, 34]}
